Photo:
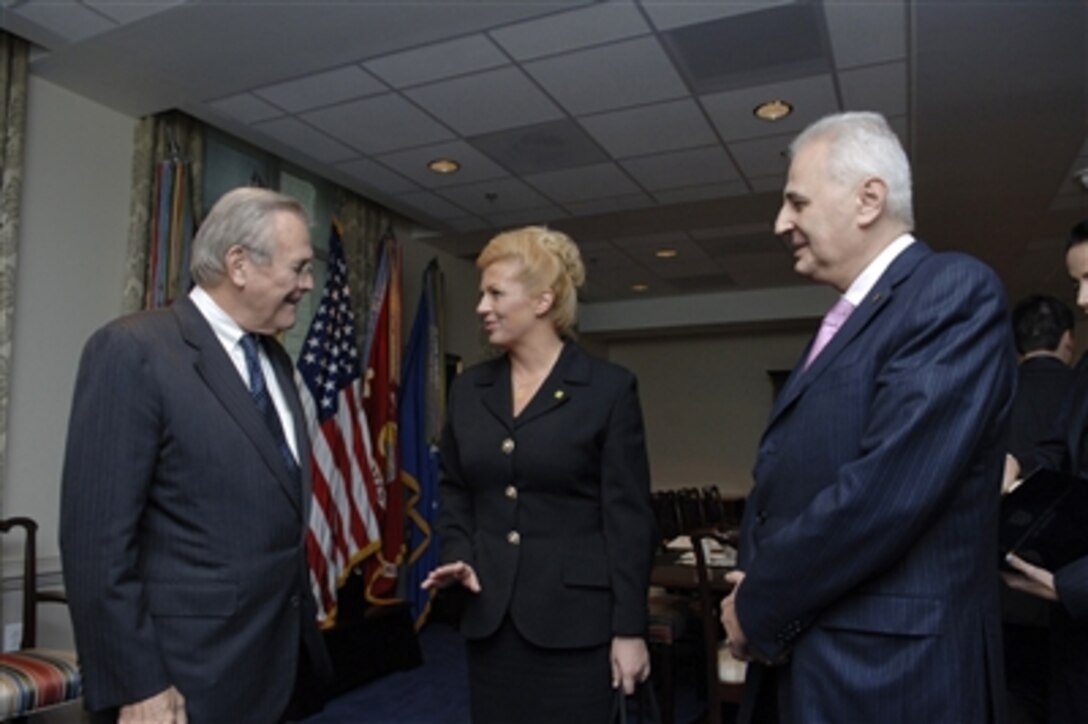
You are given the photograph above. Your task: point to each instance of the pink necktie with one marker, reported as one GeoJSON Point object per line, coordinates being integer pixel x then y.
{"type": "Point", "coordinates": [835, 318]}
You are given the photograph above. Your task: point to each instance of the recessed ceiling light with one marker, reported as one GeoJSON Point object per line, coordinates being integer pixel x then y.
{"type": "Point", "coordinates": [772, 110]}
{"type": "Point", "coordinates": [640, 287]}
{"type": "Point", "coordinates": [444, 166]}
{"type": "Point", "coordinates": [666, 253]}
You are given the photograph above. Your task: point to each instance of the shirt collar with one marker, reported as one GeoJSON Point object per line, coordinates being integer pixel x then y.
{"type": "Point", "coordinates": [871, 274]}
{"type": "Point", "coordinates": [225, 328]}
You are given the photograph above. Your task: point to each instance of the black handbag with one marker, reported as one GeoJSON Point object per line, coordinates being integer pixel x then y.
{"type": "Point", "coordinates": [645, 705]}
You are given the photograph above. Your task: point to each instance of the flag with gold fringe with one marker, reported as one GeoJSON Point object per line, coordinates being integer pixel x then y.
{"type": "Point", "coordinates": [348, 484]}
{"type": "Point", "coordinates": [382, 352]}
{"type": "Point", "coordinates": [422, 412]}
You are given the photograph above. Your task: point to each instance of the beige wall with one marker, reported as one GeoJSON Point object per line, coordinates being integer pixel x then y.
{"type": "Point", "coordinates": [705, 401]}
{"type": "Point", "coordinates": [70, 267]}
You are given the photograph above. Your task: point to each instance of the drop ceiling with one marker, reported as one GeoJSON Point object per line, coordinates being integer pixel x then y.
{"type": "Point", "coordinates": [627, 124]}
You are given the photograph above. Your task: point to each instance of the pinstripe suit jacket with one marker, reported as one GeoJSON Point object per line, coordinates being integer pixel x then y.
{"type": "Point", "coordinates": [869, 539]}
{"type": "Point", "coordinates": [181, 529]}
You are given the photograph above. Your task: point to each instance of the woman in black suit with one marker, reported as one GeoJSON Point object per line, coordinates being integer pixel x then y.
{"type": "Point", "coordinates": [545, 498]}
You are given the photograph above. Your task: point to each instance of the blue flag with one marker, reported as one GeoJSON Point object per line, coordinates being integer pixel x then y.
{"type": "Point", "coordinates": [422, 409]}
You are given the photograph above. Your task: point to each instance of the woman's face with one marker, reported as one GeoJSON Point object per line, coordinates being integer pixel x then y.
{"type": "Point", "coordinates": [506, 307]}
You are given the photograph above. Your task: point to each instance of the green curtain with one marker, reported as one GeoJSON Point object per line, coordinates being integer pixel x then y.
{"type": "Point", "coordinates": [14, 54]}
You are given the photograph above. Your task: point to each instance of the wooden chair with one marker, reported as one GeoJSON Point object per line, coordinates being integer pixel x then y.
{"type": "Point", "coordinates": [33, 679]}
{"type": "Point", "coordinates": [724, 674]}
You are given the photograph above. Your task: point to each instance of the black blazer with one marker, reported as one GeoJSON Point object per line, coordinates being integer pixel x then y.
{"type": "Point", "coordinates": [181, 528]}
{"type": "Point", "coordinates": [551, 508]}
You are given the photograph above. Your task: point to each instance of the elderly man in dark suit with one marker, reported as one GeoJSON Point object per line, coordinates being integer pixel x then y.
{"type": "Point", "coordinates": [867, 589]}
{"type": "Point", "coordinates": [186, 487]}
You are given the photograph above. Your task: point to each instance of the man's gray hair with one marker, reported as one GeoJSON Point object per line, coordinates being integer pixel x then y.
{"type": "Point", "coordinates": [244, 216]}
{"type": "Point", "coordinates": [862, 144]}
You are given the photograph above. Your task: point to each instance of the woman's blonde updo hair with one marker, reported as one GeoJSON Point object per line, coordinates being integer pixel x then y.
{"type": "Point", "coordinates": [549, 259]}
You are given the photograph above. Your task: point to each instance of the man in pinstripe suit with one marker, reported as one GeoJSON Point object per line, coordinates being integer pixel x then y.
{"type": "Point", "coordinates": [183, 507]}
{"type": "Point", "coordinates": [867, 589]}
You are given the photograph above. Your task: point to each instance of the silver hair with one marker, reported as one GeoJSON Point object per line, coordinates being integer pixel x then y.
{"type": "Point", "coordinates": [862, 144]}
{"type": "Point", "coordinates": [245, 217]}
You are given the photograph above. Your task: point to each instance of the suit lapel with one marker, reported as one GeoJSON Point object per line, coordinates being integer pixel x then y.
{"type": "Point", "coordinates": [572, 368]}
{"type": "Point", "coordinates": [875, 301]}
{"type": "Point", "coordinates": [496, 398]}
{"type": "Point", "coordinates": [219, 374]}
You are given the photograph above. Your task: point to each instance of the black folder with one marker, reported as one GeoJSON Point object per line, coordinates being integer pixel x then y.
{"type": "Point", "coordinates": [1045, 519]}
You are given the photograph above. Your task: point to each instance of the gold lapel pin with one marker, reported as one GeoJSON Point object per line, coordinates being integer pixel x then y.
{"type": "Point", "coordinates": [559, 394]}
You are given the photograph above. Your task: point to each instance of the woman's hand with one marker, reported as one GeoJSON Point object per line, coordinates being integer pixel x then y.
{"type": "Point", "coordinates": [1031, 579]}
{"type": "Point", "coordinates": [630, 662]}
{"type": "Point", "coordinates": [451, 573]}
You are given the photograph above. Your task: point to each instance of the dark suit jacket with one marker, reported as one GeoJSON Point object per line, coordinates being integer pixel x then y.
{"type": "Point", "coordinates": [181, 528]}
{"type": "Point", "coordinates": [1066, 449]}
{"type": "Point", "coordinates": [869, 539]}
{"type": "Point", "coordinates": [552, 508]}
{"type": "Point", "coordinates": [1044, 386]}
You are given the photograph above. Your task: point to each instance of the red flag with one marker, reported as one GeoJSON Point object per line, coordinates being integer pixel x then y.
{"type": "Point", "coordinates": [380, 403]}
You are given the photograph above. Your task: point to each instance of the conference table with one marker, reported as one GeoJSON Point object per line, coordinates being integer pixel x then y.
{"type": "Point", "coordinates": [674, 568]}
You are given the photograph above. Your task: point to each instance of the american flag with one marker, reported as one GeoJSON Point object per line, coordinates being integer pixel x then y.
{"type": "Point", "coordinates": [347, 497]}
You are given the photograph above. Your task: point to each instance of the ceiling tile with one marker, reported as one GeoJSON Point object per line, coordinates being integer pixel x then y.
{"type": "Point", "coordinates": [495, 197]}
{"type": "Point", "coordinates": [483, 102]}
{"type": "Point", "coordinates": [301, 137]}
{"type": "Point", "coordinates": [378, 124]}
{"type": "Point", "coordinates": [629, 73]}
{"type": "Point", "coordinates": [752, 271]}
{"type": "Point", "coordinates": [540, 147]}
{"type": "Point", "coordinates": [598, 253]}
{"type": "Point", "coordinates": [322, 89]}
{"type": "Point", "coordinates": [131, 11]}
{"type": "Point", "coordinates": [432, 205]}
{"type": "Point", "coordinates": [468, 223]}
{"type": "Point", "coordinates": [756, 48]}
{"type": "Point", "coordinates": [773, 183]}
{"type": "Point", "coordinates": [608, 206]}
{"type": "Point", "coordinates": [762, 157]}
{"type": "Point", "coordinates": [413, 163]}
{"type": "Point", "coordinates": [651, 129]}
{"type": "Point", "coordinates": [66, 18]}
{"type": "Point", "coordinates": [679, 169]}
{"type": "Point", "coordinates": [244, 107]}
{"type": "Point", "coordinates": [377, 176]}
{"type": "Point", "coordinates": [702, 192]}
{"type": "Point", "coordinates": [731, 111]}
{"type": "Point", "coordinates": [880, 88]}
{"type": "Point", "coordinates": [438, 61]}
{"type": "Point", "coordinates": [526, 217]}
{"type": "Point", "coordinates": [584, 183]}
{"type": "Point", "coordinates": [574, 29]}
{"type": "Point", "coordinates": [866, 32]}
{"type": "Point", "coordinates": [669, 14]}
{"type": "Point", "coordinates": [762, 242]}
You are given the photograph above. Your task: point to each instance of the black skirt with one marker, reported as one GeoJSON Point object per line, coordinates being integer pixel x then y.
{"type": "Point", "coordinates": [514, 681]}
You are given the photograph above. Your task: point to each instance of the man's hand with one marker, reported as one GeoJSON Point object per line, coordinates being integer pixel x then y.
{"type": "Point", "coordinates": [166, 707]}
{"type": "Point", "coordinates": [450, 573]}
{"type": "Point", "coordinates": [734, 634]}
{"type": "Point", "coordinates": [630, 663]}
{"type": "Point", "coordinates": [1031, 579]}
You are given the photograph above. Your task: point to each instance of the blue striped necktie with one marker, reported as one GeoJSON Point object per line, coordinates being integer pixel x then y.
{"type": "Point", "coordinates": [258, 388]}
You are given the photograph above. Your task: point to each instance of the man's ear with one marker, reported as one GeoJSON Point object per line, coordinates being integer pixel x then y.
{"type": "Point", "coordinates": [872, 195]}
{"type": "Point", "coordinates": [235, 263]}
